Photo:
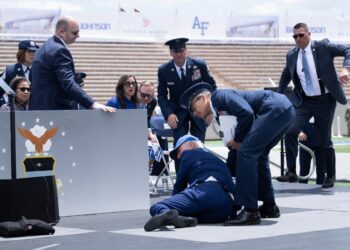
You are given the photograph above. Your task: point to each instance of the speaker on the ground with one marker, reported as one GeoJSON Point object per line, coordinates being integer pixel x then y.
{"type": "Point", "coordinates": [33, 198]}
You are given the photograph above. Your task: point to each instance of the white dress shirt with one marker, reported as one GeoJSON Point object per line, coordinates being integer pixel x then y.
{"type": "Point", "coordinates": [313, 72]}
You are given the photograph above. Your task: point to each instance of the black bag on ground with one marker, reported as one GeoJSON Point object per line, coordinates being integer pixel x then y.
{"type": "Point", "coordinates": [33, 198]}
{"type": "Point", "coordinates": [25, 227]}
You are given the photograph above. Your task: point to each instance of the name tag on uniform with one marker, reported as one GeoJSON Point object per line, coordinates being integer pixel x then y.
{"type": "Point", "coordinates": [170, 83]}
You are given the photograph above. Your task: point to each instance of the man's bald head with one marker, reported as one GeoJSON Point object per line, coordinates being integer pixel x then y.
{"type": "Point", "coordinates": [67, 28]}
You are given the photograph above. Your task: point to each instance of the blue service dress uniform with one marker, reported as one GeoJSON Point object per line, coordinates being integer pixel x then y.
{"type": "Point", "coordinates": [263, 117]}
{"type": "Point", "coordinates": [11, 72]}
{"type": "Point", "coordinates": [205, 199]}
{"type": "Point", "coordinates": [170, 83]}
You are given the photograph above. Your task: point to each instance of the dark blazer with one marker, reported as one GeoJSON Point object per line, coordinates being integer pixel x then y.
{"type": "Point", "coordinates": [170, 83]}
{"type": "Point", "coordinates": [53, 83]}
{"type": "Point", "coordinates": [247, 105]}
{"type": "Point", "coordinates": [323, 52]}
{"type": "Point", "coordinates": [197, 165]}
{"type": "Point", "coordinates": [11, 71]}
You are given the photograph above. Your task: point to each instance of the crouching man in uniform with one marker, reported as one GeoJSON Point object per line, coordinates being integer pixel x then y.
{"type": "Point", "coordinates": [203, 191]}
{"type": "Point", "coordinates": [263, 117]}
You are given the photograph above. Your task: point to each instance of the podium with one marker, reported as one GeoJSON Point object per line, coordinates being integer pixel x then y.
{"type": "Point", "coordinates": [33, 197]}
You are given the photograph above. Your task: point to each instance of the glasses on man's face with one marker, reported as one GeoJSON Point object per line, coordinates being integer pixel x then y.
{"type": "Point", "coordinates": [130, 84]}
{"type": "Point", "coordinates": [192, 102]}
{"type": "Point", "coordinates": [300, 35]}
{"type": "Point", "coordinates": [144, 95]}
{"type": "Point", "coordinates": [24, 89]}
{"type": "Point", "coordinates": [75, 32]}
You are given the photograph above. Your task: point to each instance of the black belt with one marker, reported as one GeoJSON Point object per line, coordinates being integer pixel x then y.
{"type": "Point", "coordinates": [316, 97]}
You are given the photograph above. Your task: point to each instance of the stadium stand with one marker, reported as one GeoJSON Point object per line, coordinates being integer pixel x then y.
{"type": "Point", "coordinates": [243, 66]}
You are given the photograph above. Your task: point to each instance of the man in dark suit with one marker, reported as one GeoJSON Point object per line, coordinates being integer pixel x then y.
{"type": "Point", "coordinates": [203, 190]}
{"type": "Point", "coordinates": [317, 89]}
{"type": "Point", "coordinates": [54, 86]}
{"type": "Point", "coordinates": [174, 77]}
{"type": "Point", "coordinates": [262, 119]}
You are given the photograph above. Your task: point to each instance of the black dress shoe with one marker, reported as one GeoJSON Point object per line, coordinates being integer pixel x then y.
{"type": "Point", "coordinates": [160, 220]}
{"type": "Point", "coordinates": [244, 218]}
{"type": "Point", "coordinates": [288, 177]}
{"type": "Point", "coordinates": [269, 211]}
{"type": "Point", "coordinates": [183, 221]}
{"type": "Point", "coordinates": [328, 182]}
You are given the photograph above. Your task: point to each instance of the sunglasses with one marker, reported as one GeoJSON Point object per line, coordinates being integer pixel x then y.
{"type": "Point", "coordinates": [130, 84]}
{"type": "Point", "coordinates": [144, 95]}
{"type": "Point", "coordinates": [300, 35]}
{"type": "Point", "coordinates": [24, 89]}
{"type": "Point", "coordinates": [75, 32]}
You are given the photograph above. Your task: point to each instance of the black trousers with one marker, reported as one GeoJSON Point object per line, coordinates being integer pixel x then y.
{"type": "Point", "coordinates": [322, 109]}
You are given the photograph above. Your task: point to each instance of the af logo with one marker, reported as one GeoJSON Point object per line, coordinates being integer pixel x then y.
{"type": "Point", "coordinates": [200, 25]}
{"type": "Point", "coordinates": [38, 138]}
{"type": "Point", "coordinates": [37, 161]}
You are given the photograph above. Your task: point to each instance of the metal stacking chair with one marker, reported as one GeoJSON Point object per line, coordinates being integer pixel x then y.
{"type": "Point", "coordinates": [160, 128]}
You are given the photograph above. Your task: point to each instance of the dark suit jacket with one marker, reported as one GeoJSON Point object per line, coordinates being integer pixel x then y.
{"type": "Point", "coordinates": [170, 82]}
{"type": "Point", "coordinates": [53, 82]}
{"type": "Point", "coordinates": [197, 165]}
{"type": "Point", "coordinates": [11, 71]}
{"type": "Point", "coordinates": [323, 52]}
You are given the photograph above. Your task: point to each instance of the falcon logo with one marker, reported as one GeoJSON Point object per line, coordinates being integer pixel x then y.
{"type": "Point", "coordinates": [38, 138]}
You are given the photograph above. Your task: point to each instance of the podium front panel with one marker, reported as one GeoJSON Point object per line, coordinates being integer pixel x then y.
{"type": "Point", "coordinates": [100, 159]}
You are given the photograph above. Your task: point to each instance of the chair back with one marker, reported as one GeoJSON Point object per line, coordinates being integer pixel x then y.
{"type": "Point", "coordinates": [160, 127]}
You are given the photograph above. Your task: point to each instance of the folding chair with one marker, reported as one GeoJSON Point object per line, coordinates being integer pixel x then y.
{"type": "Point", "coordinates": [160, 128]}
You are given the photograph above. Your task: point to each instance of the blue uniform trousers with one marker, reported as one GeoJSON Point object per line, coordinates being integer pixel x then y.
{"type": "Point", "coordinates": [208, 202]}
{"type": "Point", "coordinates": [253, 174]}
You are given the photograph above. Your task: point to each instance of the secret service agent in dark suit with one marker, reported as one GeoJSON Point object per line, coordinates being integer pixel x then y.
{"type": "Point", "coordinates": [174, 81]}
{"type": "Point", "coordinates": [203, 190]}
{"type": "Point", "coordinates": [317, 89]}
{"type": "Point", "coordinates": [262, 119]}
{"type": "Point", "coordinates": [54, 86]}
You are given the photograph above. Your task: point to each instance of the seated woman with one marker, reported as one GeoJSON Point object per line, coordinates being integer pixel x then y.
{"type": "Point", "coordinates": [20, 86]}
{"type": "Point", "coordinates": [125, 93]}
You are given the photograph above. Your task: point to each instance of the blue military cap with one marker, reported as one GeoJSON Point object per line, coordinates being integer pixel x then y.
{"type": "Point", "coordinates": [28, 45]}
{"type": "Point", "coordinates": [177, 44]}
{"type": "Point", "coordinates": [180, 141]}
{"type": "Point", "coordinates": [187, 97]}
